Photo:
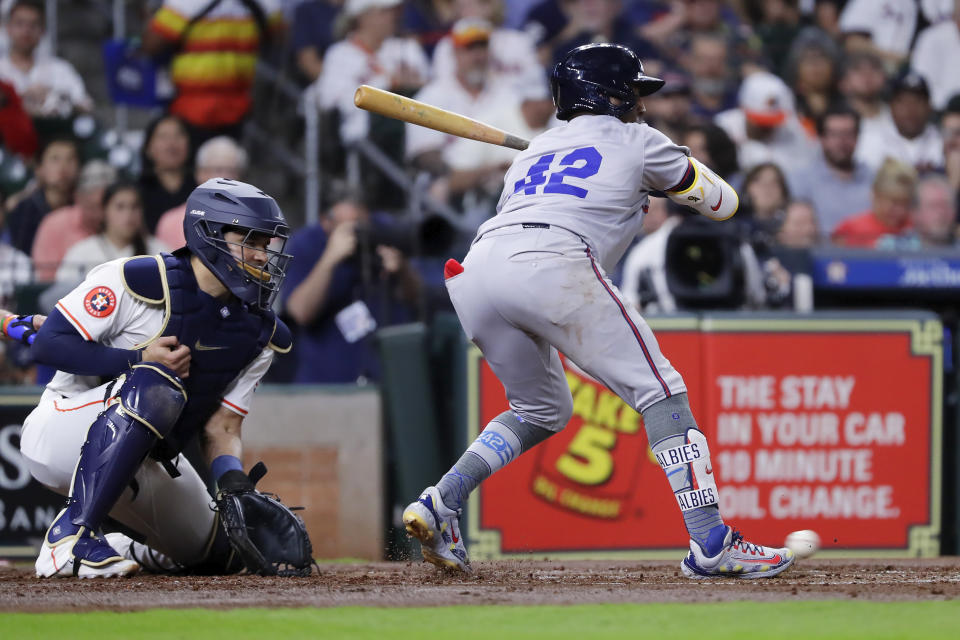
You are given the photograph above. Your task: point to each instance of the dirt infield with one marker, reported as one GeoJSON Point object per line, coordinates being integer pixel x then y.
{"type": "Point", "coordinates": [511, 582]}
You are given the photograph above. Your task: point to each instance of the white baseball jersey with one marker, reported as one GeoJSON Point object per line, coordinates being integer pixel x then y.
{"type": "Point", "coordinates": [590, 176]}
{"type": "Point", "coordinates": [101, 309]}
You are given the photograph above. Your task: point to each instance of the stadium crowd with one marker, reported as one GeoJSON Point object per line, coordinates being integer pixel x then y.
{"type": "Point", "coordinates": [838, 122]}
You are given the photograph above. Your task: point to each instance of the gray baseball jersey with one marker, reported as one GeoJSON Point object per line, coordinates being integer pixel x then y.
{"type": "Point", "coordinates": [590, 176]}
{"type": "Point", "coordinates": [534, 281]}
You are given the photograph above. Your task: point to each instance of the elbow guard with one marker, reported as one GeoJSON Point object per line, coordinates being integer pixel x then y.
{"type": "Point", "coordinates": [709, 195]}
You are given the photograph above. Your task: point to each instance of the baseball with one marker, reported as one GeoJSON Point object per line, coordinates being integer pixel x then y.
{"type": "Point", "coordinates": [803, 543]}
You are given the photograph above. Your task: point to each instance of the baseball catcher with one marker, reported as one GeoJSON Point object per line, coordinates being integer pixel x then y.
{"type": "Point", "coordinates": [150, 352]}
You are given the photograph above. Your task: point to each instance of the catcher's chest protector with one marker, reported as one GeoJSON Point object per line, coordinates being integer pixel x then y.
{"type": "Point", "coordinates": [223, 337]}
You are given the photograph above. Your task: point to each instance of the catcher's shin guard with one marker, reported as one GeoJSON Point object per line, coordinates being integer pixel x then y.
{"type": "Point", "coordinates": [148, 406]}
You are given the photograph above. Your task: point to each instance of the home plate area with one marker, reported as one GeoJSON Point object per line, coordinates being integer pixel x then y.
{"type": "Point", "coordinates": [401, 584]}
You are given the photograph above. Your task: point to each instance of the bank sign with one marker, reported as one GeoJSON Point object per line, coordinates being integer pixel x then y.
{"type": "Point", "coordinates": [26, 507]}
{"type": "Point", "coordinates": [824, 423]}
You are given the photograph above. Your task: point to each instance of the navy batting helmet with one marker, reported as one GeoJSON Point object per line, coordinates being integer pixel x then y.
{"type": "Point", "coordinates": [219, 206]}
{"type": "Point", "coordinates": [590, 75]}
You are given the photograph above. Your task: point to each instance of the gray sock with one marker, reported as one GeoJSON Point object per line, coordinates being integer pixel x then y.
{"type": "Point", "coordinates": [505, 438]}
{"type": "Point", "coordinates": [667, 423]}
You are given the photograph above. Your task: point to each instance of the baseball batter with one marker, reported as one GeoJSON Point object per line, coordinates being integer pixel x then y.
{"type": "Point", "coordinates": [150, 351]}
{"type": "Point", "coordinates": [535, 282]}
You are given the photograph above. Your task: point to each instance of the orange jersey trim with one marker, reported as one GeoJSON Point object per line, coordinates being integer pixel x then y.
{"type": "Point", "coordinates": [229, 404]}
{"type": "Point", "coordinates": [75, 322]}
{"type": "Point", "coordinates": [57, 407]}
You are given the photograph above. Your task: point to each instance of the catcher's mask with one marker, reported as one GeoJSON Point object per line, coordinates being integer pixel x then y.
{"type": "Point", "coordinates": [253, 265]}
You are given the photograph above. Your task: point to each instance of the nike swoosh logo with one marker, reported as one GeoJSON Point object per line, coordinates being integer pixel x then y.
{"type": "Point", "coordinates": [202, 347]}
{"type": "Point", "coordinates": [774, 560]}
{"type": "Point", "coordinates": [709, 470]}
{"type": "Point", "coordinates": [718, 202]}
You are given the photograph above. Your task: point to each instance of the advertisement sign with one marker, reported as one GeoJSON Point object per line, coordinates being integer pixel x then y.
{"type": "Point", "coordinates": [26, 507]}
{"type": "Point", "coordinates": [822, 423]}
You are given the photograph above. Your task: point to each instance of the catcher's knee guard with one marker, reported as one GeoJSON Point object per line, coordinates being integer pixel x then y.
{"type": "Point", "coordinates": [147, 407]}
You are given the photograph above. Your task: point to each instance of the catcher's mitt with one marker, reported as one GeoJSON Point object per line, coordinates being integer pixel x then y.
{"type": "Point", "coordinates": [268, 537]}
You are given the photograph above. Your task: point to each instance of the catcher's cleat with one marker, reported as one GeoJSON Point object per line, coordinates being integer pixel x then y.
{"type": "Point", "coordinates": [438, 530]}
{"type": "Point", "coordinates": [150, 560]}
{"type": "Point", "coordinates": [737, 559]}
{"type": "Point", "coordinates": [74, 550]}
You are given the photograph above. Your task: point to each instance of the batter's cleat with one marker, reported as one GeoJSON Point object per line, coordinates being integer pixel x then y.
{"type": "Point", "coordinates": [736, 559]}
{"type": "Point", "coordinates": [438, 530]}
{"type": "Point", "coordinates": [149, 559]}
{"type": "Point", "coordinates": [73, 550]}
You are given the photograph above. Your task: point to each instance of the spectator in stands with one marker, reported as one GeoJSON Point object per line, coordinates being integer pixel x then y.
{"type": "Point", "coordinates": [777, 24]}
{"type": "Point", "coordinates": [950, 129]}
{"type": "Point", "coordinates": [765, 125]}
{"type": "Point", "coordinates": [799, 229]}
{"type": "Point", "coordinates": [894, 193]}
{"type": "Point", "coordinates": [934, 219]}
{"type": "Point", "coordinates": [669, 110]}
{"type": "Point", "coordinates": [70, 224]}
{"type": "Point", "coordinates": [56, 176]}
{"type": "Point", "coordinates": [166, 179]}
{"type": "Point", "coordinates": [883, 27]}
{"type": "Point", "coordinates": [908, 135]}
{"type": "Point", "coordinates": [329, 294]}
{"type": "Point", "coordinates": [936, 45]}
{"type": "Point", "coordinates": [15, 269]}
{"type": "Point", "coordinates": [835, 183]}
{"type": "Point", "coordinates": [589, 21]}
{"type": "Point", "coordinates": [813, 70]}
{"type": "Point", "coordinates": [673, 33]}
{"type": "Point", "coordinates": [513, 57]}
{"type": "Point", "coordinates": [428, 21]}
{"type": "Point", "coordinates": [712, 81]}
{"type": "Point", "coordinates": [711, 142]}
{"type": "Point", "coordinates": [465, 165]}
{"type": "Point", "coordinates": [16, 128]}
{"type": "Point", "coordinates": [219, 157]}
{"type": "Point", "coordinates": [122, 235]}
{"type": "Point", "coordinates": [826, 17]}
{"type": "Point", "coordinates": [49, 86]}
{"type": "Point", "coordinates": [763, 199]}
{"type": "Point", "coordinates": [312, 35]}
{"type": "Point", "coordinates": [215, 46]}
{"type": "Point", "coordinates": [862, 85]}
{"type": "Point", "coordinates": [370, 54]}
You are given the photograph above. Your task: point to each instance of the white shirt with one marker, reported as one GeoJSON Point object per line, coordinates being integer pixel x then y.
{"type": "Point", "coordinates": [15, 269]}
{"type": "Point", "coordinates": [90, 252]}
{"type": "Point", "coordinates": [889, 23]}
{"type": "Point", "coordinates": [513, 61]}
{"type": "Point", "coordinates": [591, 176]}
{"type": "Point", "coordinates": [878, 143]}
{"type": "Point", "coordinates": [102, 310]}
{"type": "Point", "coordinates": [347, 65]}
{"type": "Point", "coordinates": [934, 56]}
{"type": "Point", "coordinates": [497, 105]}
{"type": "Point", "coordinates": [936, 10]}
{"type": "Point", "coordinates": [789, 147]}
{"type": "Point", "coordinates": [67, 90]}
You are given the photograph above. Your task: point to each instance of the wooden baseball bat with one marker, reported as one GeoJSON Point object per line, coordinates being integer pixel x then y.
{"type": "Point", "coordinates": [402, 108]}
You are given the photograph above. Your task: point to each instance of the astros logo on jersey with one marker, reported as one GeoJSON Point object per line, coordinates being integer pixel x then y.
{"type": "Point", "coordinates": [100, 302]}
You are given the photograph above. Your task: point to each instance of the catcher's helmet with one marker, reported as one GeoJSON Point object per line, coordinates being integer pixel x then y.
{"type": "Point", "coordinates": [590, 75]}
{"type": "Point", "coordinates": [218, 206]}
